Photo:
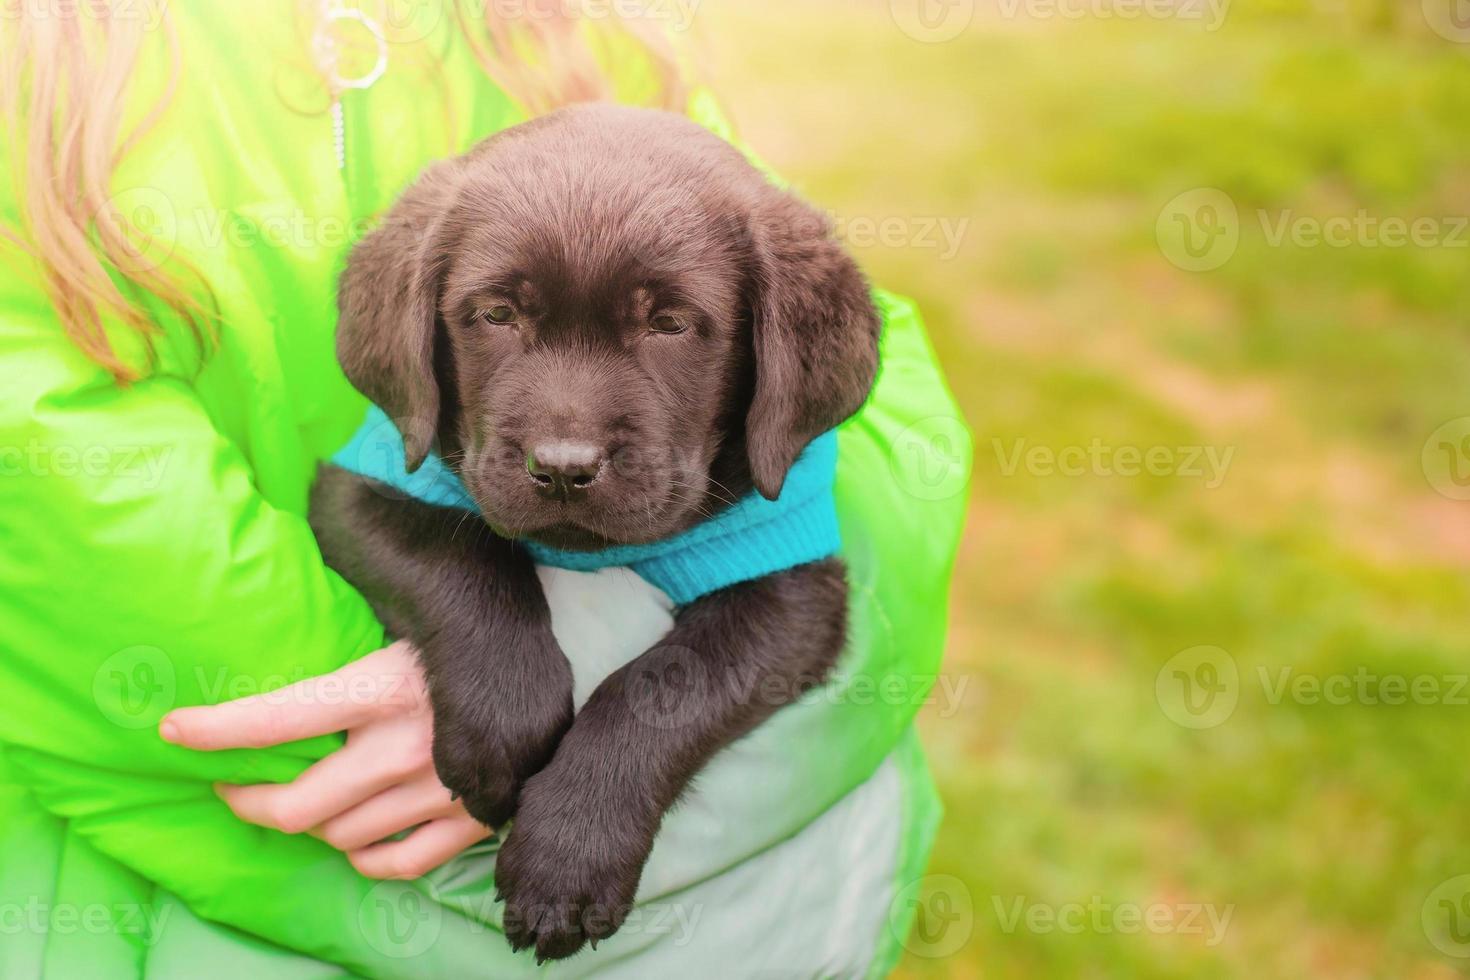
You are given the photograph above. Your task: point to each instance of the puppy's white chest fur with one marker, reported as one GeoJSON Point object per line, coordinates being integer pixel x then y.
{"type": "Point", "coordinates": [603, 620]}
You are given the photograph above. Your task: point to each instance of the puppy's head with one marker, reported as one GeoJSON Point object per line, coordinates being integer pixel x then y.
{"type": "Point", "coordinates": [610, 323]}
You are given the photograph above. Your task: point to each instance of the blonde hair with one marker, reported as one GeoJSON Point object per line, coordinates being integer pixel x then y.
{"type": "Point", "coordinates": [63, 90]}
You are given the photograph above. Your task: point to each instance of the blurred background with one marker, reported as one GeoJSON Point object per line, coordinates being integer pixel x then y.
{"type": "Point", "coordinates": [1198, 272]}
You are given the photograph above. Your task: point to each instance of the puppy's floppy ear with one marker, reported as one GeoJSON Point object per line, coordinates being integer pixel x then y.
{"type": "Point", "coordinates": [815, 334]}
{"type": "Point", "coordinates": [388, 309]}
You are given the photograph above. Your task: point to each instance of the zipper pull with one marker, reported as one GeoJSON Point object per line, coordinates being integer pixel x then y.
{"type": "Point", "coordinates": [325, 45]}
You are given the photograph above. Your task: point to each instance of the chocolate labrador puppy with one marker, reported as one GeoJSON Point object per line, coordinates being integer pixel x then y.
{"type": "Point", "coordinates": [609, 325]}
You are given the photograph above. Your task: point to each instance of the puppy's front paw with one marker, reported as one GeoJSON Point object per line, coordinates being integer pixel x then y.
{"type": "Point", "coordinates": [484, 755]}
{"type": "Point", "coordinates": [475, 767]}
{"type": "Point", "coordinates": [567, 878]}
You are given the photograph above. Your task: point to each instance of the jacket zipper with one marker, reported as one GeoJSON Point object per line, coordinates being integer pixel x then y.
{"type": "Point", "coordinates": [324, 44]}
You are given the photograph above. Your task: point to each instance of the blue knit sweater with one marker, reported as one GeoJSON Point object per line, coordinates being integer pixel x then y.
{"type": "Point", "coordinates": [753, 538]}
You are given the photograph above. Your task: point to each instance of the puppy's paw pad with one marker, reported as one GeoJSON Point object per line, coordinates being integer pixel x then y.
{"type": "Point", "coordinates": [558, 907]}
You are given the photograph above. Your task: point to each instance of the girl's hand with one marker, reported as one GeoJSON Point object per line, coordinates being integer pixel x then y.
{"type": "Point", "coordinates": [382, 782]}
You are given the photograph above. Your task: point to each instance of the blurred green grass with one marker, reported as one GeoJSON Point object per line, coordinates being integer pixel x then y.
{"type": "Point", "coordinates": [1324, 550]}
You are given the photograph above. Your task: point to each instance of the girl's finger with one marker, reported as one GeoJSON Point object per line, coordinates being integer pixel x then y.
{"type": "Point", "coordinates": [396, 809]}
{"type": "Point", "coordinates": [420, 852]}
{"type": "Point", "coordinates": [381, 682]}
{"type": "Point", "coordinates": [337, 783]}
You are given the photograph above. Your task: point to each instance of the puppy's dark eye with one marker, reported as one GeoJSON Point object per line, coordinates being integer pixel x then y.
{"type": "Point", "coordinates": [498, 314]}
{"type": "Point", "coordinates": [666, 323]}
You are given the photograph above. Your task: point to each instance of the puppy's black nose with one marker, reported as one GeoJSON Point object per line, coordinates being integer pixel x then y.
{"type": "Point", "coordinates": [563, 469]}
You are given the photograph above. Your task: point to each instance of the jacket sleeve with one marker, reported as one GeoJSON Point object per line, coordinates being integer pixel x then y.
{"type": "Point", "coordinates": [902, 489]}
{"type": "Point", "coordinates": [142, 570]}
